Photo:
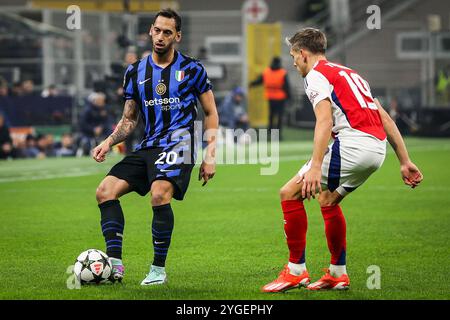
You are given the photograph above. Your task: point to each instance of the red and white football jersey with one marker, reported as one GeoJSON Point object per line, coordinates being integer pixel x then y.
{"type": "Point", "coordinates": [355, 113]}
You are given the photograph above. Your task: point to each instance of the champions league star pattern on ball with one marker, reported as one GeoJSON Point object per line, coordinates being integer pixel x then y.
{"type": "Point", "coordinates": [92, 266]}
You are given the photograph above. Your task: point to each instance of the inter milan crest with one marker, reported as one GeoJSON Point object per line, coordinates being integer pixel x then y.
{"type": "Point", "coordinates": [179, 75]}
{"type": "Point", "coordinates": [161, 89]}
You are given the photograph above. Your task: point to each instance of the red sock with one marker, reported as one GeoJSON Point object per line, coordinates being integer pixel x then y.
{"type": "Point", "coordinates": [295, 225]}
{"type": "Point", "coordinates": [335, 230]}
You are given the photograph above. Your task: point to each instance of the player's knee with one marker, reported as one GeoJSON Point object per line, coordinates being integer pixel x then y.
{"type": "Point", "coordinates": [287, 194]}
{"type": "Point", "coordinates": [327, 202]}
{"type": "Point", "coordinates": [162, 192]}
{"type": "Point", "coordinates": [160, 197]}
{"type": "Point", "coordinates": [103, 194]}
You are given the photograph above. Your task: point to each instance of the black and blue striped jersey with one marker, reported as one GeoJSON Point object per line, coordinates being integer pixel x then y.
{"type": "Point", "coordinates": [167, 98]}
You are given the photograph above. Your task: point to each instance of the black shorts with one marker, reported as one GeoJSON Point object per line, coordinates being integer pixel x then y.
{"type": "Point", "coordinates": [144, 166]}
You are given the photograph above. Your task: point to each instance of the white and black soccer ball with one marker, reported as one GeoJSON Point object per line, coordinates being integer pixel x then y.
{"type": "Point", "coordinates": [92, 266]}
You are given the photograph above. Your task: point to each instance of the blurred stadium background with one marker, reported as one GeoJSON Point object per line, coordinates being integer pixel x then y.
{"type": "Point", "coordinates": [50, 76]}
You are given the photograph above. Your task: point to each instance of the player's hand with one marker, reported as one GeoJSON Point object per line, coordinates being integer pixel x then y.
{"type": "Point", "coordinates": [311, 183]}
{"type": "Point", "coordinates": [411, 175]}
{"type": "Point", "coordinates": [207, 171]}
{"type": "Point", "coordinates": [99, 153]}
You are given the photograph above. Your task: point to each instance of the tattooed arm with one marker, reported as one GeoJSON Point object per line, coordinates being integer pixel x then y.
{"type": "Point", "coordinates": [123, 129]}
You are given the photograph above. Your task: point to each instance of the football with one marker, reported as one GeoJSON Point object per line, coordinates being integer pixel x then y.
{"type": "Point", "coordinates": [92, 266]}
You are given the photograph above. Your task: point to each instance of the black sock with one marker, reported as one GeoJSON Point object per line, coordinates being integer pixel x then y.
{"type": "Point", "coordinates": [112, 224]}
{"type": "Point", "coordinates": [162, 227]}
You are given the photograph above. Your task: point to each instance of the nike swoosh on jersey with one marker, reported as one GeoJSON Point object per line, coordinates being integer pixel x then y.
{"type": "Point", "coordinates": [144, 81]}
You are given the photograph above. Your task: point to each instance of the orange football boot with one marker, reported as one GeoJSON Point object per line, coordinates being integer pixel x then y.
{"type": "Point", "coordinates": [287, 281]}
{"type": "Point", "coordinates": [328, 282]}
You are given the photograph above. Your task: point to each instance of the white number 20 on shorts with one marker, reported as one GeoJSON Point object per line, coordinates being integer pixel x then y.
{"type": "Point", "coordinates": [167, 157]}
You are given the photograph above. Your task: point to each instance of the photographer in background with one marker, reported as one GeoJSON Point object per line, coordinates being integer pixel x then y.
{"type": "Point", "coordinates": [95, 122]}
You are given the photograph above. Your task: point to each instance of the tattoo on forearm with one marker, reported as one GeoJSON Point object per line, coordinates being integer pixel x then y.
{"type": "Point", "coordinates": [127, 124]}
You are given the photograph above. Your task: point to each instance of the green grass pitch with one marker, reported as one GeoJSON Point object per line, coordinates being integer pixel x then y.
{"type": "Point", "coordinates": [228, 239]}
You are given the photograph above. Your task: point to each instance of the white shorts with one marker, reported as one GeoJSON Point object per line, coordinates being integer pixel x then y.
{"type": "Point", "coordinates": [345, 167]}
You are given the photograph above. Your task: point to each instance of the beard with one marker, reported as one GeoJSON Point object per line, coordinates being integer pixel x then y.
{"type": "Point", "coordinates": [161, 50]}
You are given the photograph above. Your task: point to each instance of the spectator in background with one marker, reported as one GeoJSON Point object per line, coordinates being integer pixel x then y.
{"type": "Point", "coordinates": [143, 41]}
{"type": "Point", "coordinates": [6, 146]}
{"type": "Point", "coordinates": [31, 150]}
{"type": "Point", "coordinates": [276, 91]}
{"type": "Point", "coordinates": [115, 95]}
{"type": "Point", "coordinates": [66, 148]}
{"type": "Point", "coordinates": [45, 145]}
{"type": "Point", "coordinates": [28, 87]}
{"type": "Point", "coordinates": [95, 122]}
{"type": "Point", "coordinates": [130, 58]}
{"type": "Point", "coordinates": [17, 89]}
{"type": "Point", "coordinates": [19, 146]}
{"type": "Point", "coordinates": [233, 115]}
{"type": "Point", "coordinates": [232, 110]}
{"type": "Point", "coordinates": [50, 151]}
{"type": "Point", "coordinates": [395, 112]}
{"type": "Point", "coordinates": [50, 91]}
